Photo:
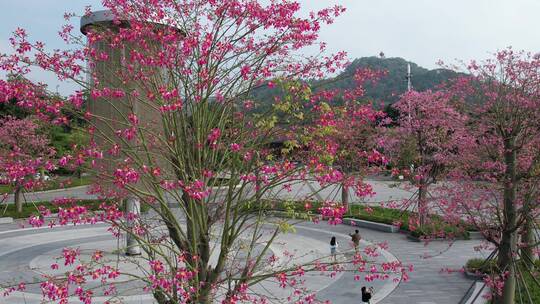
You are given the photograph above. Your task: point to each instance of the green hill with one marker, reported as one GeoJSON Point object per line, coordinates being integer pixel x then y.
{"type": "Point", "coordinates": [387, 89]}
{"type": "Point", "coordinates": [394, 83]}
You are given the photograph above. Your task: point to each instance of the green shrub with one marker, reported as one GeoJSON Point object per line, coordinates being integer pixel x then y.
{"type": "Point", "coordinates": [377, 214]}
{"type": "Point", "coordinates": [380, 215]}
{"type": "Point", "coordinates": [527, 285]}
{"type": "Point", "coordinates": [481, 265]}
{"type": "Point", "coordinates": [436, 226]}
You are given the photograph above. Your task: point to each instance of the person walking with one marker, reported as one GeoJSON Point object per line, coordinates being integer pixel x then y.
{"type": "Point", "coordinates": [366, 294]}
{"type": "Point", "coordinates": [355, 238]}
{"type": "Point", "coordinates": [333, 248]}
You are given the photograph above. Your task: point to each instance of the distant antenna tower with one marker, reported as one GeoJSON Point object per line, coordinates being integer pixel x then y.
{"type": "Point", "coordinates": [409, 78]}
{"type": "Point", "coordinates": [409, 87]}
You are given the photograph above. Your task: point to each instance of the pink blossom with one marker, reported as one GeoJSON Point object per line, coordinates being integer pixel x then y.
{"type": "Point", "coordinates": [70, 255]}
{"type": "Point", "coordinates": [213, 137]}
{"type": "Point", "coordinates": [235, 147]}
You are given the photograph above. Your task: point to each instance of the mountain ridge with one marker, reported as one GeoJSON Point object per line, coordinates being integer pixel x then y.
{"type": "Point", "coordinates": [394, 83]}
{"type": "Point", "coordinates": [386, 90]}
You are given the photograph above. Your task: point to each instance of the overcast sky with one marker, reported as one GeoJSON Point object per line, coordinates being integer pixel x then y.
{"type": "Point", "coordinates": [422, 31]}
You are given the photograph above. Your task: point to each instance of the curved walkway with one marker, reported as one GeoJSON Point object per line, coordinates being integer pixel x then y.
{"type": "Point", "coordinates": [26, 252]}
{"type": "Point", "coordinates": [385, 191]}
{"type": "Point", "coordinates": [427, 284]}
{"type": "Point", "coordinates": [22, 249]}
{"type": "Point", "coordinates": [79, 192]}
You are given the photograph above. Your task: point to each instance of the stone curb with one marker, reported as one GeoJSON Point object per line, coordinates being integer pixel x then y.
{"type": "Point", "coordinates": [56, 190]}
{"type": "Point", "coordinates": [371, 225]}
{"type": "Point", "coordinates": [6, 220]}
{"type": "Point", "coordinates": [475, 235]}
{"type": "Point", "coordinates": [473, 275]}
{"type": "Point", "coordinates": [476, 295]}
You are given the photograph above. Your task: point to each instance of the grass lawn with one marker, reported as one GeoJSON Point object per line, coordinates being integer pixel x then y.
{"type": "Point", "coordinates": [380, 215]}
{"type": "Point", "coordinates": [522, 294]}
{"type": "Point", "coordinates": [5, 189]}
{"type": "Point", "coordinates": [526, 286]}
{"type": "Point", "coordinates": [57, 183]}
{"type": "Point", "coordinates": [368, 213]}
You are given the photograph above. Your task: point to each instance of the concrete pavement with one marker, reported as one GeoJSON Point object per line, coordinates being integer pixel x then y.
{"type": "Point", "coordinates": [385, 191]}
{"type": "Point", "coordinates": [80, 192]}
{"type": "Point", "coordinates": [24, 251]}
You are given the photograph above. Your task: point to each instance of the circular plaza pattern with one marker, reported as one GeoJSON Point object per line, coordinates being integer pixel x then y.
{"type": "Point", "coordinates": [25, 253]}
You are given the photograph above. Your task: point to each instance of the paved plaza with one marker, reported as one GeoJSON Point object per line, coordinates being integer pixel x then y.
{"type": "Point", "coordinates": [26, 252]}
{"type": "Point", "coordinates": [386, 190]}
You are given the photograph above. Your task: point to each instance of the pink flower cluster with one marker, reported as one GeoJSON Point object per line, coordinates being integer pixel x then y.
{"type": "Point", "coordinates": [197, 190]}
{"type": "Point", "coordinates": [213, 138]}
{"type": "Point", "coordinates": [171, 279]}
{"type": "Point", "coordinates": [330, 176]}
{"type": "Point", "coordinates": [126, 175]}
{"type": "Point", "coordinates": [333, 212]}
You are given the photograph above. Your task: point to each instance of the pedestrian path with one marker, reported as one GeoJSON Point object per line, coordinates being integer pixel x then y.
{"type": "Point", "coordinates": [23, 249]}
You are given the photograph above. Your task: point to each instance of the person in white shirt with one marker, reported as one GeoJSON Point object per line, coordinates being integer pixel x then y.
{"type": "Point", "coordinates": [333, 248]}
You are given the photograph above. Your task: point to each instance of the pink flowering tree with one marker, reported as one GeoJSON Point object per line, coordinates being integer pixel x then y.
{"type": "Point", "coordinates": [351, 135]}
{"type": "Point", "coordinates": [170, 115]}
{"type": "Point", "coordinates": [334, 132]}
{"type": "Point", "coordinates": [356, 154]}
{"type": "Point", "coordinates": [496, 187]}
{"type": "Point", "coordinates": [24, 152]}
{"type": "Point", "coordinates": [343, 133]}
{"type": "Point", "coordinates": [433, 130]}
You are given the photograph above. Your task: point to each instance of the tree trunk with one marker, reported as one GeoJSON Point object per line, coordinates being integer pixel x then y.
{"type": "Point", "coordinates": [505, 262]}
{"type": "Point", "coordinates": [160, 297]}
{"type": "Point", "coordinates": [345, 196]}
{"type": "Point", "coordinates": [198, 238]}
{"type": "Point", "coordinates": [422, 205]}
{"type": "Point", "coordinates": [528, 239]}
{"type": "Point", "coordinates": [133, 206]}
{"type": "Point", "coordinates": [508, 245]}
{"type": "Point", "coordinates": [205, 296]}
{"type": "Point", "coordinates": [18, 200]}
